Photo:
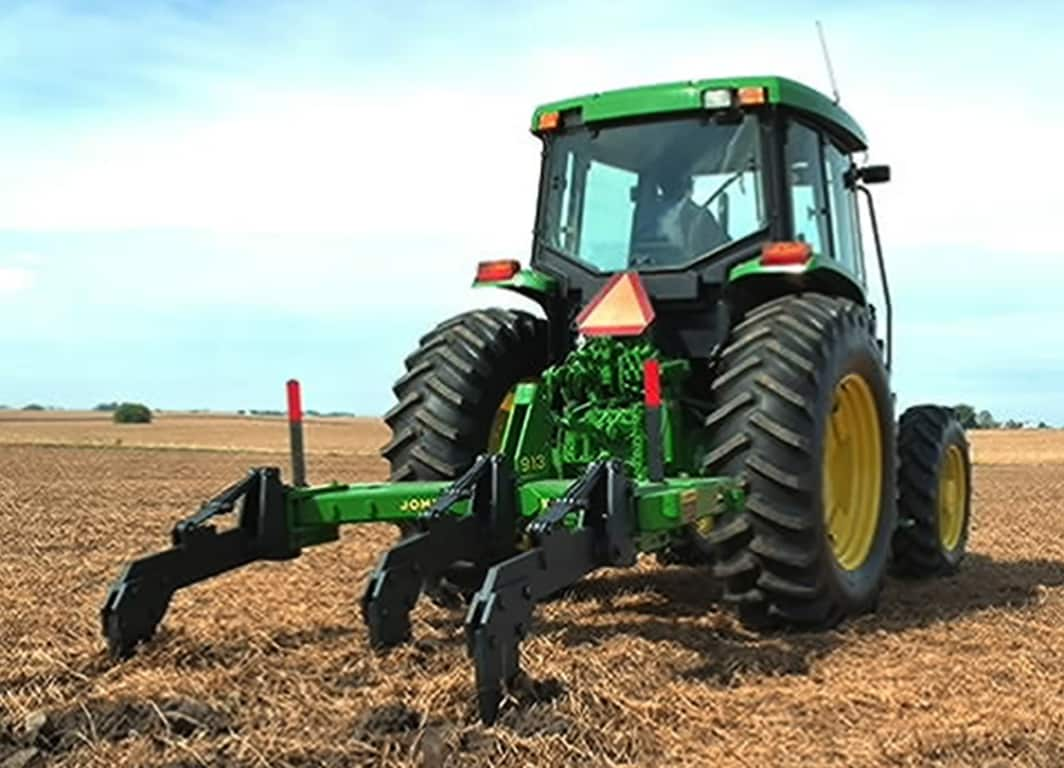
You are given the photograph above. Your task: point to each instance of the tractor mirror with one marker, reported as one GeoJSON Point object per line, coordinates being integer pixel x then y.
{"type": "Point", "coordinates": [875, 174]}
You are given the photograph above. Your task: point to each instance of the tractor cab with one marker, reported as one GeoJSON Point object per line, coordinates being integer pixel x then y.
{"type": "Point", "coordinates": [718, 193]}
{"type": "Point", "coordinates": [688, 183]}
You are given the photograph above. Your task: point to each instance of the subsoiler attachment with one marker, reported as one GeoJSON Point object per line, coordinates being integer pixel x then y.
{"type": "Point", "coordinates": [137, 601]}
{"type": "Point", "coordinates": [485, 535]}
{"type": "Point", "coordinates": [506, 540]}
{"type": "Point", "coordinates": [500, 614]}
{"type": "Point", "coordinates": [532, 539]}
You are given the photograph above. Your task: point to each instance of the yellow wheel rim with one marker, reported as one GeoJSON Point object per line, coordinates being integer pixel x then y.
{"type": "Point", "coordinates": [498, 423]}
{"type": "Point", "coordinates": [853, 472]}
{"type": "Point", "coordinates": [952, 497]}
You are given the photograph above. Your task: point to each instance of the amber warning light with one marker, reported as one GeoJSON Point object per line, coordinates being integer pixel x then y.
{"type": "Point", "coordinates": [549, 121]}
{"type": "Point", "coordinates": [497, 271]}
{"type": "Point", "coordinates": [751, 96]}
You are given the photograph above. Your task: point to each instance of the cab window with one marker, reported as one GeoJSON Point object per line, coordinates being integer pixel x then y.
{"type": "Point", "coordinates": [809, 206]}
{"type": "Point", "coordinates": [845, 230]}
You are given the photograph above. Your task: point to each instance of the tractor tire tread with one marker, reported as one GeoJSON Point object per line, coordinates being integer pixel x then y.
{"type": "Point", "coordinates": [767, 381]}
{"type": "Point", "coordinates": [452, 386]}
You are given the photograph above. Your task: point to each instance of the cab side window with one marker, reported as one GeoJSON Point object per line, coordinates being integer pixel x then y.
{"type": "Point", "coordinates": [809, 206]}
{"type": "Point", "coordinates": [845, 230]}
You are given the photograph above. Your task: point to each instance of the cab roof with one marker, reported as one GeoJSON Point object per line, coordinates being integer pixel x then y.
{"type": "Point", "coordinates": [686, 95]}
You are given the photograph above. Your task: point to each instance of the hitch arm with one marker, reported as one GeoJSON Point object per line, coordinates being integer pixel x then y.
{"type": "Point", "coordinates": [500, 614]}
{"type": "Point", "coordinates": [484, 535]}
{"type": "Point", "coordinates": [137, 601]}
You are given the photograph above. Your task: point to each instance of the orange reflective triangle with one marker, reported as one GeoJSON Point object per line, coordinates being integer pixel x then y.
{"type": "Point", "coordinates": [621, 308]}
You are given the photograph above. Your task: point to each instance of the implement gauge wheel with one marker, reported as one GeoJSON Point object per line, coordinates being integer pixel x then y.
{"type": "Point", "coordinates": [453, 401]}
{"type": "Point", "coordinates": [804, 418]}
{"type": "Point", "coordinates": [934, 493]}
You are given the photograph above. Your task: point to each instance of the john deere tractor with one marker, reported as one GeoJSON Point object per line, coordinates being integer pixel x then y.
{"type": "Point", "coordinates": [707, 380]}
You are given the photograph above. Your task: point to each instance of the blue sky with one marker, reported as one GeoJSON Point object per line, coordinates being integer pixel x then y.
{"type": "Point", "coordinates": [200, 199]}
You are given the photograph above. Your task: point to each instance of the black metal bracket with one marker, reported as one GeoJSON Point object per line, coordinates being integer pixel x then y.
{"type": "Point", "coordinates": [137, 601]}
{"type": "Point", "coordinates": [484, 536]}
{"type": "Point", "coordinates": [500, 614]}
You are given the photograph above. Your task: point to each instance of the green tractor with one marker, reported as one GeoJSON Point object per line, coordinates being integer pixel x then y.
{"type": "Point", "coordinates": [707, 381]}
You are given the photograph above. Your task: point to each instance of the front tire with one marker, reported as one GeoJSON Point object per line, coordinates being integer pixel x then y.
{"type": "Point", "coordinates": [804, 419]}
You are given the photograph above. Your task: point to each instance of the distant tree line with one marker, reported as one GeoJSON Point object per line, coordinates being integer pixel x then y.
{"type": "Point", "coordinates": [970, 418]}
{"type": "Point", "coordinates": [137, 413]}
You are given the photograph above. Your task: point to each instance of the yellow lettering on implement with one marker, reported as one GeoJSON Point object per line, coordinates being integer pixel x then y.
{"type": "Point", "coordinates": [415, 505]}
{"type": "Point", "coordinates": [533, 463]}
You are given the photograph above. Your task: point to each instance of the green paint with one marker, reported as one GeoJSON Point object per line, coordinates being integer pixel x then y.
{"type": "Point", "coordinates": [314, 514]}
{"type": "Point", "coordinates": [687, 95]}
{"type": "Point", "coordinates": [527, 281]}
{"type": "Point", "coordinates": [596, 398]}
{"type": "Point", "coordinates": [535, 497]}
{"type": "Point", "coordinates": [661, 509]}
{"type": "Point", "coordinates": [527, 437]}
{"type": "Point", "coordinates": [753, 267]}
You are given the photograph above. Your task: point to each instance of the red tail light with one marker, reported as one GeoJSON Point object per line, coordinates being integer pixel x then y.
{"type": "Point", "coordinates": [787, 253]}
{"type": "Point", "coordinates": [497, 271]}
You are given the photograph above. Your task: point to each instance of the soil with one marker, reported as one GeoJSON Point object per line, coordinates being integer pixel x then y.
{"type": "Point", "coordinates": [269, 665]}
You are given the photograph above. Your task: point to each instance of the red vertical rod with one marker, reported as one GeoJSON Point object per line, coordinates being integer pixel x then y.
{"type": "Point", "coordinates": [652, 420]}
{"type": "Point", "coordinates": [295, 433]}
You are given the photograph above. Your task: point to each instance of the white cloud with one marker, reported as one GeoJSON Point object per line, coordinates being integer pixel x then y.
{"type": "Point", "coordinates": [428, 174]}
{"type": "Point", "coordinates": [14, 280]}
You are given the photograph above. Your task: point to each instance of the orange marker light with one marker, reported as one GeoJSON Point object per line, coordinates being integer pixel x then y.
{"type": "Point", "coordinates": [752, 96]}
{"type": "Point", "coordinates": [786, 253]}
{"type": "Point", "coordinates": [548, 121]}
{"type": "Point", "coordinates": [621, 308]}
{"type": "Point", "coordinates": [497, 271]}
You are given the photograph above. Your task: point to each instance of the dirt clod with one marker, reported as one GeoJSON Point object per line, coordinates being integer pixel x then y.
{"type": "Point", "coordinates": [389, 718]}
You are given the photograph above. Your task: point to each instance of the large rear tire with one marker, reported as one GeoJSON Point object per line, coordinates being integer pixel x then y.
{"type": "Point", "coordinates": [934, 493]}
{"type": "Point", "coordinates": [451, 401]}
{"type": "Point", "coordinates": [804, 419]}
{"type": "Point", "coordinates": [454, 385]}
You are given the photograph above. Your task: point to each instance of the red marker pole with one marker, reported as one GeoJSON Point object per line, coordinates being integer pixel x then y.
{"type": "Point", "coordinates": [295, 433]}
{"type": "Point", "coordinates": [652, 420]}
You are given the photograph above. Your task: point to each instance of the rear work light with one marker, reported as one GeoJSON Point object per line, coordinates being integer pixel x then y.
{"type": "Point", "coordinates": [718, 98]}
{"type": "Point", "coordinates": [497, 271]}
{"type": "Point", "coordinates": [787, 253]}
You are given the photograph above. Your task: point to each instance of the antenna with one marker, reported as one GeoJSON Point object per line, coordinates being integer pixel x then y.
{"type": "Point", "coordinates": [827, 60]}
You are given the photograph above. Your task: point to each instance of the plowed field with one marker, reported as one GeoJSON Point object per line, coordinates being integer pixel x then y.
{"type": "Point", "coordinates": [269, 666]}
